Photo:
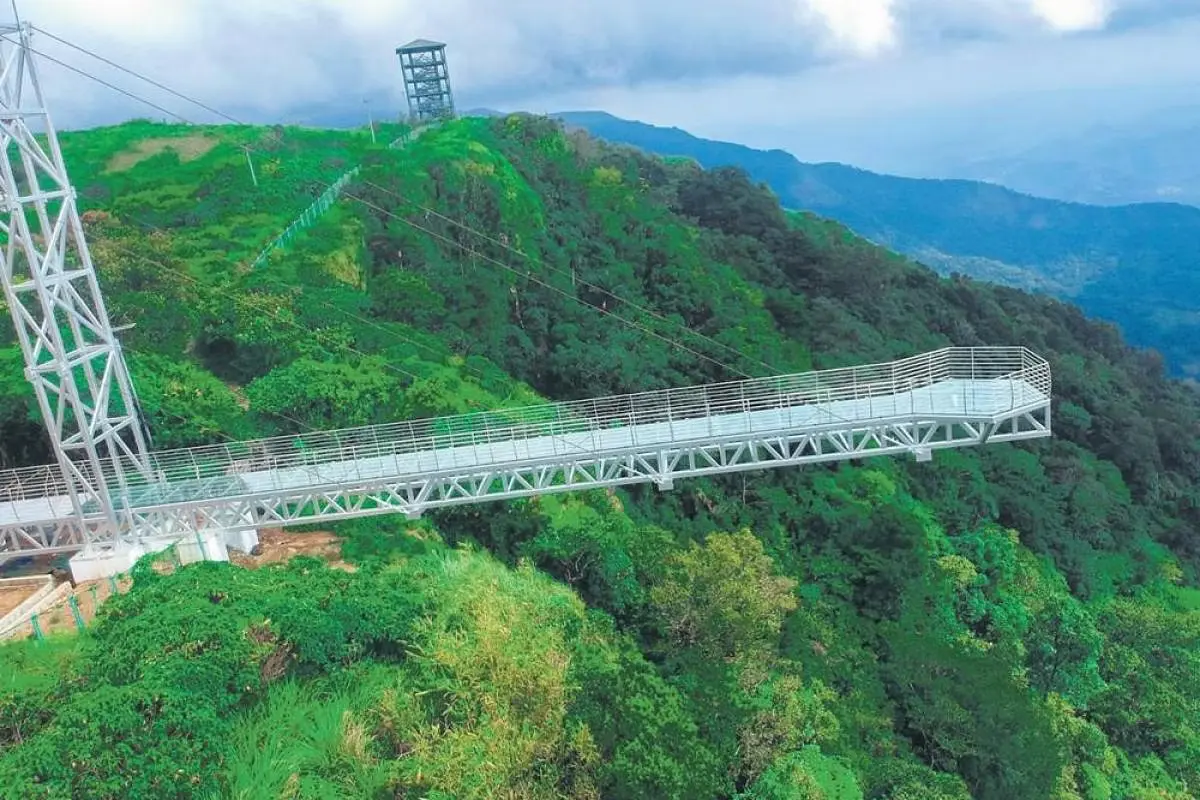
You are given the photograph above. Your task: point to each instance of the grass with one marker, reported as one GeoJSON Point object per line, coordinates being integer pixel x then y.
{"type": "Point", "coordinates": [187, 148]}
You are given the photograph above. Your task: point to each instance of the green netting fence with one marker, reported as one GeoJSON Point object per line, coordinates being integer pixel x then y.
{"type": "Point", "coordinates": [308, 218]}
{"type": "Point", "coordinates": [323, 203]}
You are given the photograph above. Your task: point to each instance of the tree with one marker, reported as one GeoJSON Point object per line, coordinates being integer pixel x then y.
{"type": "Point", "coordinates": [723, 598]}
{"type": "Point", "coordinates": [805, 774]}
{"type": "Point", "coordinates": [1064, 647]}
{"type": "Point", "coordinates": [327, 394]}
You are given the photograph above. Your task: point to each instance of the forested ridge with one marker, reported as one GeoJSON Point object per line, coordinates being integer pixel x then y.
{"type": "Point", "coordinates": [1131, 264]}
{"type": "Point", "coordinates": [1009, 621]}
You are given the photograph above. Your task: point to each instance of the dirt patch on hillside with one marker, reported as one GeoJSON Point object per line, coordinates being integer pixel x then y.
{"type": "Point", "coordinates": [239, 396]}
{"type": "Point", "coordinates": [13, 596]}
{"type": "Point", "coordinates": [89, 597]}
{"type": "Point", "coordinates": [188, 148]}
{"type": "Point", "coordinates": [276, 546]}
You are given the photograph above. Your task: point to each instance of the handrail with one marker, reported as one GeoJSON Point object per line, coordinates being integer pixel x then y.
{"type": "Point", "coordinates": [1002, 379]}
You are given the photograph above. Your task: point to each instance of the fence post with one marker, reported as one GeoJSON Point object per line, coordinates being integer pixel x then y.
{"type": "Point", "coordinates": [37, 628]}
{"type": "Point", "coordinates": [74, 604]}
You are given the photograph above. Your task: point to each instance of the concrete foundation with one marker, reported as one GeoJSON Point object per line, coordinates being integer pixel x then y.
{"type": "Point", "coordinates": [202, 547]}
{"type": "Point", "coordinates": [104, 561]}
{"type": "Point", "coordinates": [244, 541]}
{"type": "Point", "coordinates": [115, 559]}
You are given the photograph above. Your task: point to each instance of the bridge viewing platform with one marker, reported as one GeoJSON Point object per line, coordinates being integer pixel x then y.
{"type": "Point", "coordinates": [951, 397]}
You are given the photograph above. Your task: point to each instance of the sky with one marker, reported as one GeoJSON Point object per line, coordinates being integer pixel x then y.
{"type": "Point", "coordinates": [811, 76]}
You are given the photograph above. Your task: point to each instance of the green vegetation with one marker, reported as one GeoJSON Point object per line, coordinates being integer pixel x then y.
{"type": "Point", "coordinates": [1006, 622]}
{"type": "Point", "coordinates": [1130, 264]}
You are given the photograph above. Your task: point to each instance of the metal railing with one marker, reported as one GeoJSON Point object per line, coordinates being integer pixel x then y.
{"type": "Point", "coordinates": [952, 382]}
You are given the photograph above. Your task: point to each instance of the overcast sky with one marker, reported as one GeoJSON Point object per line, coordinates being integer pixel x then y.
{"type": "Point", "coordinates": [759, 71]}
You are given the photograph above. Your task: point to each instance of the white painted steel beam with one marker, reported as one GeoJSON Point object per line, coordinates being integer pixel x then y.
{"type": "Point", "coordinates": [954, 397]}
{"type": "Point", "coordinates": [108, 492]}
{"type": "Point", "coordinates": [72, 356]}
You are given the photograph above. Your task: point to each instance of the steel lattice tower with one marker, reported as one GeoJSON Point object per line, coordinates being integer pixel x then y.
{"type": "Point", "coordinates": [72, 357]}
{"type": "Point", "coordinates": [426, 80]}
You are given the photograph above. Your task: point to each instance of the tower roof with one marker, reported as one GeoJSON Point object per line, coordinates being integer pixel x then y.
{"type": "Point", "coordinates": [419, 44]}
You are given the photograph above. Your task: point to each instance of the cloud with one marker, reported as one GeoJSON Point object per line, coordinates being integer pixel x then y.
{"type": "Point", "coordinates": [1073, 15]}
{"type": "Point", "coordinates": [281, 59]}
{"type": "Point", "coordinates": [908, 113]}
{"type": "Point", "coordinates": [864, 26]}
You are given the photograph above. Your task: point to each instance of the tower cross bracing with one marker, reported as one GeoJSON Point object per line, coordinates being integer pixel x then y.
{"type": "Point", "coordinates": [72, 356]}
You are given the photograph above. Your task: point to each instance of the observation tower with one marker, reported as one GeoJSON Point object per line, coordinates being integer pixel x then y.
{"type": "Point", "coordinates": [426, 80]}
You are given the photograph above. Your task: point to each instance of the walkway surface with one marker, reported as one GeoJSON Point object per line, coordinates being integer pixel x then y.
{"type": "Point", "coordinates": [951, 397]}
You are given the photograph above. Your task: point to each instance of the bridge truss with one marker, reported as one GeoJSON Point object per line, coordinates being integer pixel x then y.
{"type": "Point", "coordinates": [952, 397]}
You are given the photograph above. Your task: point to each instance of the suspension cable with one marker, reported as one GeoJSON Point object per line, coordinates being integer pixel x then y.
{"type": "Point", "coordinates": [666, 339]}
{"type": "Point", "coordinates": [540, 263]}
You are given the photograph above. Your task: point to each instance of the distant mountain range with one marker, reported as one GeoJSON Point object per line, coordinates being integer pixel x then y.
{"type": "Point", "coordinates": [1098, 147]}
{"type": "Point", "coordinates": [1110, 164]}
{"type": "Point", "coordinates": [1135, 265]}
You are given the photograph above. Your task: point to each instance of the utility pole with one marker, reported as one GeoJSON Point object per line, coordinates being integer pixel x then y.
{"type": "Point", "coordinates": [72, 356]}
{"type": "Point", "coordinates": [370, 119]}
{"type": "Point", "coordinates": [250, 163]}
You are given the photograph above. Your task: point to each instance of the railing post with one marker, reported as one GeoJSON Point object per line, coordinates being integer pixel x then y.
{"type": "Point", "coordinates": [412, 446]}
{"type": "Point", "coordinates": [974, 380]}
{"type": "Point", "coordinates": [911, 383]}
{"type": "Point", "coordinates": [745, 406]}
{"type": "Point", "coordinates": [635, 415]}
{"type": "Point", "coordinates": [670, 419]}
{"type": "Point", "coordinates": [433, 448]}
{"type": "Point", "coordinates": [596, 427]}
{"type": "Point", "coordinates": [895, 392]}
{"type": "Point", "coordinates": [378, 450]}
{"type": "Point", "coordinates": [196, 465]}
{"type": "Point", "coordinates": [708, 412]}
{"type": "Point", "coordinates": [487, 435]}
{"type": "Point", "coordinates": [932, 382]}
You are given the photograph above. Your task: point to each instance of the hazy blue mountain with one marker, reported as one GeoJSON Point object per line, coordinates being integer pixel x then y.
{"type": "Point", "coordinates": [1155, 159]}
{"type": "Point", "coordinates": [1134, 264]}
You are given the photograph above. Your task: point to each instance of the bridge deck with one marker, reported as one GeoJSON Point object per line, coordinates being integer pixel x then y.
{"type": "Point", "coordinates": [839, 413]}
{"type": "Point", "coordinates": [951, 400]}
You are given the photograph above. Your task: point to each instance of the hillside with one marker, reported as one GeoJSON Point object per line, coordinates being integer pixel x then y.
{"type": "Point", "coordinates": [1005, 622]}
{"type": "Point", "coordinates": [1133, 265]}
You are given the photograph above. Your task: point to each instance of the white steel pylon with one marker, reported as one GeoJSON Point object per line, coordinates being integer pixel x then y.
{"type": "Point", "coordinates": [72, 356]}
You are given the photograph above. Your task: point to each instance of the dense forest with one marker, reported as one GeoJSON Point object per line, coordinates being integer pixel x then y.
{"type": "Point", "coordinates": [1010, 621]}
{"type": "Point", "coordinates": [1131, 264]}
